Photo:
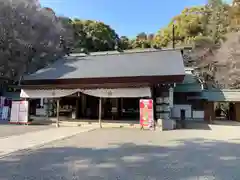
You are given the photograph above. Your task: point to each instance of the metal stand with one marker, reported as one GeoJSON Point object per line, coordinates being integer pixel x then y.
{"type": "Point", "coordinates": [100, 112]}
{"type": "Point", "coordinates": [58, 109]}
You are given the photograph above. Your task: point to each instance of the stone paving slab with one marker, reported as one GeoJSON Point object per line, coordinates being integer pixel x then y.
{"type": "Point", "coordinates": [7, 130]}
{"type": "Point", "coordinates": [29, 140]}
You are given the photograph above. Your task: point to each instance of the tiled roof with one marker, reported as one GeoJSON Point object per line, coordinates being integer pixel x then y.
{"type": "Point", "coordinates": [114, 64]}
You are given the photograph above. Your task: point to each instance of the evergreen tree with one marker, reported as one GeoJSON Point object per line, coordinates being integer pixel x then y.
{"type": "Point", "coordinates": [215, 20]}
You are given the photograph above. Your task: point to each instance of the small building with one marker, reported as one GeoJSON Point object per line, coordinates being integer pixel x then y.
{"type": "Point", "coordinates": [226, 100]}
{"type": "Point", "coordinates": [109, 84]}
{"type": "Point", "coordinates": [204, 104]}
{"type": "Point", "coordinates": [188, 97]}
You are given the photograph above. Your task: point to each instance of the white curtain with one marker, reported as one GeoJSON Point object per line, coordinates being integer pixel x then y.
{"type": "Point", "coordinates": [50, 93]}
{"type": "Point", "coordinates": [104, 93]}
{"type": "Point", "coordinates": [117, 93]}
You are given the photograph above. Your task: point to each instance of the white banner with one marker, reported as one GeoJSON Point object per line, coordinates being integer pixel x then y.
{"type": "Point", "coordinates": [14, 112]}
{"type": "Point", "coordinates": [49, 93]}
{"type": "Point", "coordinates": [105, 93]}
{"type": "Point", "coordinates": [118, 93]}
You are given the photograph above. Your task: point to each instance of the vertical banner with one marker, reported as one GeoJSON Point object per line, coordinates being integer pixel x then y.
{"type": "Point", "coordinates": [14, 112]}
{"type": "Point", "coordinates": [146, 113]}
{"type": "Point", "coordinates": [23, 112]}
{"type": "Point", "coordinates": [2, 102]}
{"type": "Point", "coordinates": [19, 112]}
{"type": "Point", "coordinates": [5, 113]}
{"type": "Point", "coordinates": [171, 97]}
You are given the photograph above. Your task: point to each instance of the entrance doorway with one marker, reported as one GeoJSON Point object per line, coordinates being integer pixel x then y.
{"type": "Point", "coordinates": [92, 103]}
{"type": "Point", "coordinates": [225, 111]}
{"type": "Point", "coordinates": [130, 109]}
{"type": "Point", "coordinates": [121, 109]}
{"type": "Point", "coordinates": [87, 107]}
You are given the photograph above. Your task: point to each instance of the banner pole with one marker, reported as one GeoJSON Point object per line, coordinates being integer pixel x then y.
{"type": "Point", "coordinates": [100, 112]}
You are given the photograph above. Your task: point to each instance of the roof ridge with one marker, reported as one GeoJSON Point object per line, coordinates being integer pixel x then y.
{"type": "Point", "coordinates": [134, 51]}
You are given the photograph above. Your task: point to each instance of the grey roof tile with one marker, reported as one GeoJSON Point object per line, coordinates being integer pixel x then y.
{"type": "Point", "coordinates": [127, 64]}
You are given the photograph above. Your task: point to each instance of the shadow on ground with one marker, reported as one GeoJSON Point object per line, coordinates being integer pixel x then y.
{"type": "Point", "coordinates": [197, 125]}
{"type": "Point", "coordinates": [184, 160]}
{"type": "Point", "coordinates": [226, 123]}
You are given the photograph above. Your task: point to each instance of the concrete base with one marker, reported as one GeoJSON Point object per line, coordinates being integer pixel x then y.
{"type": "Point", "coordinates": [105, 124]}
{"type": "Point", "coordinates": [159, 124]}
{"type": "Point", "coordinates": [168, 124]}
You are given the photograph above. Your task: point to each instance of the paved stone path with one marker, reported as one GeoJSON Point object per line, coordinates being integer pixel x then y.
{"type": "Point", "coordinates": [7, 130]}
{"type": "Point", "coordinates": [29, 140]}
{"type": "Point", "coordinates": [131, 154]}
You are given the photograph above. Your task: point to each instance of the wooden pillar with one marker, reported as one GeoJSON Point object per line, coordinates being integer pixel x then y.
{"type": "Point", "coordinates": [28, 110]}
{"type": "Point", "coordinates": [237, 111]}
{"type": "Point", "coordinates": [100, 112]}
{"type": "Point", "coordinates": [103, 107]}
{"type": "Point", "coordinates": [117, 109]}
{"type": "Point", "coordinates": [121, 108]}
{"type": "Point", "coordinates": [58, 109]}
{"type": "Point", "coordinates": [83, 104]}
{"type": "Point", "coordinates": [77, 108]}
{"type": "Point", "coordinates": [209, 114]}
{"type": "Point", "coordinates": [46, 107]}
{"type": "Point", "coordinates": [153, 97]}
{"type": "Point", "coordinates": [114, 110]}
{"type": "Point", "coordinates": [171, 97]}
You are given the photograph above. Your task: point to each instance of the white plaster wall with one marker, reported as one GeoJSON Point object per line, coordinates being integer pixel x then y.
{"type": "Point", "coordinates": [198, 114]}
{"type": "Point", "coordinates": [176, 111]}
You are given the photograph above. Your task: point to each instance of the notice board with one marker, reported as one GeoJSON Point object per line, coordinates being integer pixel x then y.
{"type": "Point", "coordinates": [146, 113]}
{"type": "Point", "coordinates": [19, 112]}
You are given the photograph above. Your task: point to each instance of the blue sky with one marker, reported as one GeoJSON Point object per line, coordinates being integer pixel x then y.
{"type": "Point", "coordinates": [127, 17]}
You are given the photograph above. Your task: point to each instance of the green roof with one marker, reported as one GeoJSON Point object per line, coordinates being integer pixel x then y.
{"type": "Point", "coordinates": [194, 87]}
{"type": "Point", "coordinates": [189, 84]}
{"type": "Point", "coordinates": [222, 95]}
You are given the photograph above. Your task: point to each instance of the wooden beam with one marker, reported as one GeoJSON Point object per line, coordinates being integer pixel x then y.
{"type": "Point", "coordinates": [108, 80]}
{"type": "Point", "coordinates": [58, 109]}
{"type": "Point", "coordinates": [100, 112]}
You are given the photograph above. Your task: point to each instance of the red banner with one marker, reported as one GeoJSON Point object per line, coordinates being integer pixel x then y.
{"type": "Point", "coordinates": [146, 113]}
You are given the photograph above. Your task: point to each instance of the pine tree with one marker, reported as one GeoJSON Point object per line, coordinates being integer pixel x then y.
{"type": "Point", "coordinates": [215, 19]}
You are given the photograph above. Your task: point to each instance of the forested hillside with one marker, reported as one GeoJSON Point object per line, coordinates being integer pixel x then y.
{"type": "Point", "coordinates": [32, 36]}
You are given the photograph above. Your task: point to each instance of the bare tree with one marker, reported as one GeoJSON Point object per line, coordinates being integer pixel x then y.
{"type": "Point", "coordinates": [202, 59]}
{"type": "Point", "coordinates": [228, 58]}
{"type": "Point", "coordinates": [29, 37]}
{"type": "Point", "coordinates": [217, 66]}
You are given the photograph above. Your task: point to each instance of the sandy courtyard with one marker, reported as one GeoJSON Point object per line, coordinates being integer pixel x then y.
{"type": "Point", "coordinates": [131, 154]}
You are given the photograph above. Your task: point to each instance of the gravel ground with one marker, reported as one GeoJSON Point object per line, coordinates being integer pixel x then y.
{"type": "Point", "coordinates": [7, 130]}
{"type": "Point", "coordinates": [131, 154]}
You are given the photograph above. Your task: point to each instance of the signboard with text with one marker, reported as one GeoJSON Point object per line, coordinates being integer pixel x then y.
{"type": "Point", "coordinates": [146, 113]}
